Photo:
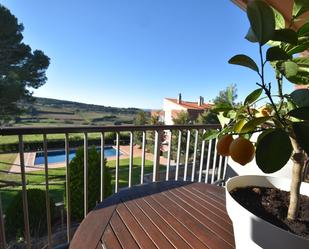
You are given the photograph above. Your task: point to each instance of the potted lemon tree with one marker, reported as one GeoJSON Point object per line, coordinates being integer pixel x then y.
{"type": "Point", "coordinates": [268, 212]}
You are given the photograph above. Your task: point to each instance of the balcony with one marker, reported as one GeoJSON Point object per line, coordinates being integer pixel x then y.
{"type": "Point", "coordinates": [146, 154]}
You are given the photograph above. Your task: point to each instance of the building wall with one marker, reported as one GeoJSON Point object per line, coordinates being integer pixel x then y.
{"type": "Point", "coordinates": [168, 107]}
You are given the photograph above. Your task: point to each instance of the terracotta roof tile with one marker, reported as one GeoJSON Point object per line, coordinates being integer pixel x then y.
{"type": "Point", "coordinates": [191, 105]}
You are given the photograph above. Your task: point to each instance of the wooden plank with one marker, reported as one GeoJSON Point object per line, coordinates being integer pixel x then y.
{"type": "Point", "coordinates": [109, 239]}
{"type": "Point", "coordinates": [205, 210]}
{"type": "Point", "coordinates": [123, 235]}
{"type": "Point", "coordinates": [100, 246]}
{"type": "Point", "coordinates": [182, 230]}
{"type": "Point", "coordinates": [207, 236]}
{"type": "Point", "coordinates": [96, 222]}
{"type": "Point", "coordinates": [206, 221]}
{"type": "Point", "coordinates": [164, 228]}
{"type": "Point", "coordinates": [172, 214]}
{"type": "Point", "coordinates": [210, 197]}
{"type": "Point", "coordinates": [217, 192]}
{"type": "Point", "coordinates": [210, 206]}
{"type": "Point", "coordinates": [136, 230]}
{"type": "Point", "coordinates": [152, 231]}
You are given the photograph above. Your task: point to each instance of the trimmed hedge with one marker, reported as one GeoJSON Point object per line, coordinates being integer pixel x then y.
{"type": "Point", "coordinates": [94, 178]}
{"type": "Point", "coordinates": [14, 221]}
{"type": "Point", "coordinates": [59, 143]}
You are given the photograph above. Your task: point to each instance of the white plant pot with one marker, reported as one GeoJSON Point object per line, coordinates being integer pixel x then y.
{"type": "Point", "coordinates": [252, 232]}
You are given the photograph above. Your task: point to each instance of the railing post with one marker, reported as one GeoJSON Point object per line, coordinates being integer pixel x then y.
{"type": "Point", "coordinates": [208, 161]}
{"type": "Point", "coordinates": [131, 160]}
{"type": "Point", "coordinates": [226, 159]}
{"type": "Point", "coordinates": [49, 229]}
{"type": "Point", "coordinates": [156, 159]}
{"type": "Point", "coordinates": [68, 185]}
{"type": "Point", "coordinates": [2, 228]}
{"type": "Point", "coordinates": [178, 155]}
{"type": "Point", "coordinates": [187, 155]}
{"type": "Point", "coordinates": [24, 192]}
{"type": "Point", "coordinates": [194, 156]}
{"type": "Point", "coordinates": [117, 163]}
{"type": "Point", "coordinates": [219, 168]}
{"type": "Point", "coordinates": [201, 160]}
{"type": "Point", "coordinates": [85, 174]}
{"type": "Point", "coordinates": [102, 167]}
{"type": "Point", "coordinates": [214, 163]}
{"type": "Point", "coordinates": [143, 157]}
{"type": "Point", "coordinates": [169, 156]}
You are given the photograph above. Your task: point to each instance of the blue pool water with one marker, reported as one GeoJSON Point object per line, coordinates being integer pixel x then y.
{"type": "Point", "coordinates": [59, 155]}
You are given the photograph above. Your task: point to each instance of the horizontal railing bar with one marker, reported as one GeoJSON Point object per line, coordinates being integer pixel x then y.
{"type": "Point", "coordinates": [91, 129]}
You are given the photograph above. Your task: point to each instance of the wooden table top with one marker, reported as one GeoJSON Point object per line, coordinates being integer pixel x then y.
{"type": "Point", "coordinates": [159, 215]}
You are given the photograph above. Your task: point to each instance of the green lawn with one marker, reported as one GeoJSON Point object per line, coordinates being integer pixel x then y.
{"type": "Point", "coordinates": [5, 164]}
{"type": "Point", "coordinates": [57, 178]}
{"type": "Point", "coordinates": [39, 138]}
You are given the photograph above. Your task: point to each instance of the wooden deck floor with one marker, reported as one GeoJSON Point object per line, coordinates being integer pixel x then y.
{"type": "Point", "coordinates": [159, 215]}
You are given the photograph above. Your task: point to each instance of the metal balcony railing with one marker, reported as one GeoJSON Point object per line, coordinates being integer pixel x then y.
{"type": "Point", "coordinates": [200, 158]}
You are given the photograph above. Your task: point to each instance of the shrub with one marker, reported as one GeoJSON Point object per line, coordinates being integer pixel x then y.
{"type": "Point", "coordinates": [37, 214]}
{"type": "Point", "coordinates": [77, 181]}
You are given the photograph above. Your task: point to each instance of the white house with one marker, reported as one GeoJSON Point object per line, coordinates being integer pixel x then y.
{"type": "Point", "coordinates": [172, 107]}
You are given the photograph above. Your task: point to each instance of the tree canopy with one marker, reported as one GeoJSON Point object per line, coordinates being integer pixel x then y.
{"type": "Point", "coordinates": [227, 95]}
{"type": "Point", "coordinates": [21, 69]}
{"type": "Point", "coordinates": [183, 117]}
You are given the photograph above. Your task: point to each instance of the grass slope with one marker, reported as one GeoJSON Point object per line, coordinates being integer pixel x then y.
{"type": "Point", "coordinates": [53, 112]}
{"type": "Point", "coordinates": [57, 179]}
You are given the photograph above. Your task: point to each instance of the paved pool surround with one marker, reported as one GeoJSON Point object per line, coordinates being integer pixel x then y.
{"type": "Point", "coordinates": [29, 158]}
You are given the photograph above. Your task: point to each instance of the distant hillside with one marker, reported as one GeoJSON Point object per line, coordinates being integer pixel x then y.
{"type": "Point", "coordinates": [47, 102]}
{"type": "Point", "coordinates": [54, 112]}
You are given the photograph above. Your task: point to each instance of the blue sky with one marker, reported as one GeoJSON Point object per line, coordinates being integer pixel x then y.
{"type": "Point", "coordinates": [133, 53]}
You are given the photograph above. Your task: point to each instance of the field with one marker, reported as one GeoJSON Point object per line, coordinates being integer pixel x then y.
{"type": "Point", "coordinates": [52, 112]}
{"type": "Point", "coordinates": [59, 113]}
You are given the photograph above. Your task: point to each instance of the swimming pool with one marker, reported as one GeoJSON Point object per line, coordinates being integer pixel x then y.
{"type": "Point", "coordinates": [58, 156]}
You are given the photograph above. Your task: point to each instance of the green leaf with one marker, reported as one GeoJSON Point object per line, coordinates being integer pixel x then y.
{"type": "Point", "coordinates": [288, 68]}
{"type": "Point", "coordinates": [302, 62]}
{"type": "Point", "coordinates": [262, 20]}
{"type": "Point", "coordinates": [239, 125]}
{"type": "Point", "coordinates": [300, 7]}
{"type": "Point", "coordinates": [296, 71]}
{"type": "Point", "coordinates": [285, 35]}
{"type": "Point", "coordinates": [226, 130]}
{"type": "Point", "coordinates": [222, 107]}
{"type": "Point", "coordinates": [299, 79]}
{"type": "Point", "coordinates": [223, 120]}
{"type": "Point", "coordinates": [211, 134]}
{"type": "Point", "coordinates": [276, 54]}
{"type": "Point", "coordinates": [250, 36]}
{"type": "Point", "coordinates": [279, 19]}
{"type": "Point", "coordinates": [253, 96]}
{"type": "Point", "coordinates": [300, 113]}
{"type": "Point", "coordinates": [244, 60]}
{"type": "Point", "coordinates": [230, 114]}
{"type": "Point", "coordinates": [304, 30]}
{"type": "Point", "coordinates": [300, 97]}
{"type": "Point", "coordinates": [301, 130]}
{"type": "Point", "coordinates": [298, 49]}
{"type": "Point", "coordinates": [253, 123]}
{"type": "Point", "coordinates": [273, 150]}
